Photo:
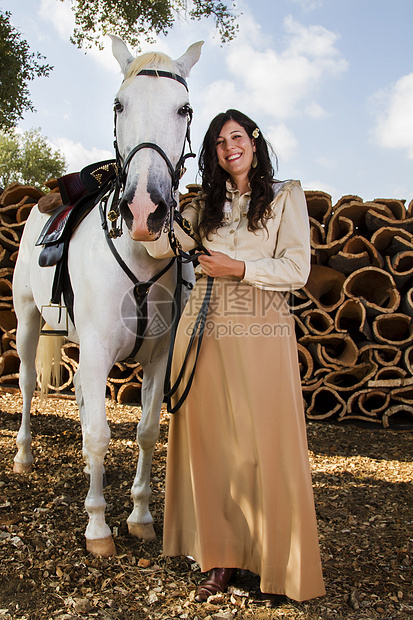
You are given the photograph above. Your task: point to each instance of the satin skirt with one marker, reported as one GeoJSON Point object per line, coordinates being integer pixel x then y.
{"type": "Point", "coordinates": [238, 484]}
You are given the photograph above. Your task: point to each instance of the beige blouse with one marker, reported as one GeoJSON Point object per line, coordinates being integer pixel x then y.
{"type": "Point", "coordinates": [275, 259]}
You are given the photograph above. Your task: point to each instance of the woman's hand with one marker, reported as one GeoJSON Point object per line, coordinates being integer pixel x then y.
{"type": "Point", "coordinates": [219, 265]}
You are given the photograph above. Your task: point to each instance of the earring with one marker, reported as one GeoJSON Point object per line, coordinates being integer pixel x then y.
{"type": "Point", "coordinates": [254, 162]}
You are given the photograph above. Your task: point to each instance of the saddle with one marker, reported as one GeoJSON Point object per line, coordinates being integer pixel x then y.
{"type": "Point", "coordinates": [80, 193]}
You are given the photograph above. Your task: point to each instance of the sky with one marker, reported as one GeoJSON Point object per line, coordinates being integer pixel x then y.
{"type": "Point", "coordinates": [329, 83]}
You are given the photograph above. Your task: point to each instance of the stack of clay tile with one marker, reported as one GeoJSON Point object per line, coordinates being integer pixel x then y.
{"type": "Point", "coordinates": [16, 201]}
{"type": "Point", "coordinates": [353, 318]}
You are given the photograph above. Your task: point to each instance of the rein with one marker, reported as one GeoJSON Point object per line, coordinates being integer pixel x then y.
{"type": "Point", "coordinates": [199, 326]}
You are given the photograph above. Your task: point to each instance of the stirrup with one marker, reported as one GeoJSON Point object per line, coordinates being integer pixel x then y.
{"type": "Point", "coordinates": [62, 319]}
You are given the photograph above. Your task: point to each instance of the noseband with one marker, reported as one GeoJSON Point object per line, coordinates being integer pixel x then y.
{"type": "Point", "coordinates": [176, 172]}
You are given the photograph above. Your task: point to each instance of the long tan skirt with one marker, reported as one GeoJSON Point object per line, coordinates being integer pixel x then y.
{"type": "Point", "coordinates": [238, 485]}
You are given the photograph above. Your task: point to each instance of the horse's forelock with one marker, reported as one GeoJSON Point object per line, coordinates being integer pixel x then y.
{"type": "Point", "coordinates": [154, 60]}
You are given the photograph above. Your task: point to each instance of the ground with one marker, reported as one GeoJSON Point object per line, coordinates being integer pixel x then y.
{"type": "Point", "coordinates": [364, 499]}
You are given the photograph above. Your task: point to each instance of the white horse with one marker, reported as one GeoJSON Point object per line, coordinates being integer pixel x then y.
{"type": "Point", "coordinates": [152, 112]}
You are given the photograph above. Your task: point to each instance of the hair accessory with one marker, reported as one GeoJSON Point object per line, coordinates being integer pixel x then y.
{"type": "Point", "coordinates": [256, 133]}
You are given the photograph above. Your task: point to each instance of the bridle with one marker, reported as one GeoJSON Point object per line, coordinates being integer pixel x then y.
{"type": "Point", "coordinates": [141, 289]}
{"type": "Point", "coordinates": [176, 172]}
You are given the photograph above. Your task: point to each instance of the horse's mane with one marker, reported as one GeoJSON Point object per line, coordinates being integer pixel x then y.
{"type": "Point", "coordinates": [155, 60]}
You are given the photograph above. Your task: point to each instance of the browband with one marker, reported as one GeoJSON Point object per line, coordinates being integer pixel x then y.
{"type": "Point", "coordinates": [167, 74]}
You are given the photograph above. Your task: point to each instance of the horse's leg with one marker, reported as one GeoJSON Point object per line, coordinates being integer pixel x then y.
{"type": "Point", "coordinates": [140, 521]}
{"type": "Point", "coordinates": [90, 392]}
{"type": "Point", "coordinates": [26, 341]}
{"type": "Point", "coordinates": [82, 414]}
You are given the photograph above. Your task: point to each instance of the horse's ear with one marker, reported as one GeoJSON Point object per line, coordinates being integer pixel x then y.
{"type": "Point", "coordinates": [121, 53]}
{"type": "Point", "coordinates": [185, 63]}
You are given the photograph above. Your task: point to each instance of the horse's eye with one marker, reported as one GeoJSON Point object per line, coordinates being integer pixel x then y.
{"type": "Point", "coordinates": [117, 106]}
{"type": "Point", "coordinates": [186, 110]}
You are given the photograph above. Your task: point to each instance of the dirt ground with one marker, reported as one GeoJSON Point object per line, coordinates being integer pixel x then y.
{"type": "Point", "coordinates": [364, 499]}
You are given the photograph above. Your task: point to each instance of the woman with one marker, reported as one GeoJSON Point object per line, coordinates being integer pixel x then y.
{"type": "Point", "coordinates": [238, 485]}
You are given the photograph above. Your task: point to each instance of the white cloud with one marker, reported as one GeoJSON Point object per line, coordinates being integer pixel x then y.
{"type": "Point", "coordinates": [282, 83]}
{"type": "Point", "coordinates": [315, 42]}
{"type": "Point", "coordinates": [219, 96]}
{"type": "Point", "coordinates": [250, 29]}
{"type": "Point", "coordinates": [283, 141]}
{"type": "Point", "coordinates": [394, 126]}
{"type": "Point", "coordinates": [77, 156]}
{"type": "Point", "coordinates": [315, 110]}
{"type": "Point", "coordinates": [61, 16]}
{"type": "Point", "coordinates": [309, 5]}
{"type": "Point", "coordinates": [325, 162]}
{"type": "Point", "coordinates": [62, 19]}
{"type": "Point", "coordinates": [105, 58]}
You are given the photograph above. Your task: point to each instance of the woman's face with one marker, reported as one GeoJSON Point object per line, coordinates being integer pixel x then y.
{"type": "Point", "coordinates": [235, 150]}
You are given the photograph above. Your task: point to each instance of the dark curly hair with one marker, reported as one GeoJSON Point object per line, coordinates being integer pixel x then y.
{"type": "Point", "coordinates": [214, 178]}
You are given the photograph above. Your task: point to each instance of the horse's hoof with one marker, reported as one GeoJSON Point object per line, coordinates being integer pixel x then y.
{"type": "Point", "coordinates": [145, 531]}
{"type": "Point", "coordinates": [103, 547]}
{"type": "Point", "coordinates": [21, 468]}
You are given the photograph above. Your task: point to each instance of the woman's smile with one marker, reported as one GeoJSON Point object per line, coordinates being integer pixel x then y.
{"type": "Point", "coordinates": [234, 157]}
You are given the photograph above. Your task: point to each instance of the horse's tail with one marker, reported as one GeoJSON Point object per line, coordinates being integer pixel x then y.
{"type": "Point", "coordinates": [48, 362]}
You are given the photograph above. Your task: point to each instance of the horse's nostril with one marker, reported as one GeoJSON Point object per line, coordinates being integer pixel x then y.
{"type": "Point", "coordinates": [125, 212]}
{"type": "Point", "coordinates": [156, 219]}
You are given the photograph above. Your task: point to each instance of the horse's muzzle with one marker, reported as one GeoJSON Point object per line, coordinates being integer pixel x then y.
{"type": "Point", "coordinates": [143, 226]}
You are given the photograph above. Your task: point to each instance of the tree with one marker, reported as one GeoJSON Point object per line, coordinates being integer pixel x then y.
{"type": "Point", "coordinates": [18, 66]}
{"type": "Point", "coordinates": [134, 21]}
{"type": "Point", "coordinates": [29, 159]}
{"type": "Point", "coordinates": [139, 20]}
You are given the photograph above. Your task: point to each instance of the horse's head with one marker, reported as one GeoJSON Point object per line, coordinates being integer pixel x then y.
{"type": "Point", "coordinates": [152, 115]}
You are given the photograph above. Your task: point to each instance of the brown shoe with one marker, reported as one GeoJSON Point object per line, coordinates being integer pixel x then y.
{"type": "Point", "coordinates": [216, 581]}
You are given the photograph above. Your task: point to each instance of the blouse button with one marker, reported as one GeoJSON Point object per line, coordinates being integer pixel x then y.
{"type": "Point", "coordinates": [231, 232]}
{"type": "Point", "coordinates": [236, 219]}
{"type": "Point", "coordinates": [232, 248]}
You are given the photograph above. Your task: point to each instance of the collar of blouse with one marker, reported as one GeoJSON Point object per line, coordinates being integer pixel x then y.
{"type": "Point", "coordinates": [235, 203]}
